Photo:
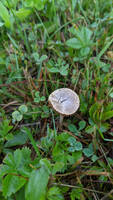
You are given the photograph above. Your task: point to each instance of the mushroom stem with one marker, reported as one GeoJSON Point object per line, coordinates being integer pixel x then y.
{"type": "Point", "coordinates": [61, 120]}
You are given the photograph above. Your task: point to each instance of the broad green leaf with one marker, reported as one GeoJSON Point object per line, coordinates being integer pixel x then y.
{"type": "Point", "coordinates": [22, 13]}
{"type": "Point", "coordinates": [43, 57]}
{"type": "Point", "coordinates": [73, 128]}
{"type": "Point", "coordinates": [46, 163]}
{"type": "Point", "coordinates": [78, 146]}
{"type": "Point", "coordinates": [88, 151]}
{"type": "Point", "coordinates": [71, 149]}
{"type": "Point", "coordinates": [43, 98]}
{"type": "Point", "coordinates": [57, 167]}
{"type": "Point", "coordinates": [104, 127]}
{"type": "Point", "coordinates": [53, 70]}
{"type": "Point", "coordinates": [9, 160]}
{"type": "Point", "coordinates": [4, 14]}
{"type": "Point", "coordinates": [29, 3]}
{"type": "Point", "coordinates": [64, 71]}
{"type": "Point", "coordinates": [17, 157]}
{"type": "Point", "coordinates": [11, 184]}
{"type": "Point", "coordinates": [83, 35]}
{"type": "Point", "coordinates": [19, 161]}
{"type": "Point", "coordinates": [94, 158]}
{"type": "Point", "coordinates": [17, 116]}
{"type": "Point", "coordinates": [90, 129]}
{"type": "Point", "coordinates": [5, 127]}
{"type": "Point", "coordinates": [23, 109]}
{"type": "Point", "coordinates": [77, 155]}
{"type": "Point", "coordinates": [4, 170]}
{"type": "Point", "coordinates": [18, 139]}
{"type": "Point", "coordinates": [109, 107]}
{"type": "Point", "coordinates": [26, 156]}
{"type": "Point", "coordinates": [86, 35]}
{"type": "Point", "coordinates": [74, 43]}
{"type": "Point", "coordinates": [72, 141]}
{"type": "Point", "coordinates": [84, 51]}
{"type": "Point", "coordinates": [107, 115]}
{"type": "Point", "coordinates": [82, 125]}
{"type": "Point", "coordinates": [38, 4]}
{"type": "Point", "coordinates": [36, 187]}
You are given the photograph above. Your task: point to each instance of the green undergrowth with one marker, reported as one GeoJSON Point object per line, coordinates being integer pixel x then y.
{"type": "Point", "coordinates": [46, 45]}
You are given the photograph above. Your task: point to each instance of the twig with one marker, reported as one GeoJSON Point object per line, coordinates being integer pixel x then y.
{"type": "Point", "coordinates": [106, 196]}
{"type": "Point", "coordinates": [29, 124]}
{"type": "Point", "coordinates": [74, 186]}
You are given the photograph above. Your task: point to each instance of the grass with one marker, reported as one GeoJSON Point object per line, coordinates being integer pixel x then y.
{"type": "Point", "coordinates": [46, 45]}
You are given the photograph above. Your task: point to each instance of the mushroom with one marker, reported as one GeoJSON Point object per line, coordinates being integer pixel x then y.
{"type": "Point", "coordinates": [64, 101]}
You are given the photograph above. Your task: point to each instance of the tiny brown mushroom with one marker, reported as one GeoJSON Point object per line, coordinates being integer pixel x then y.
{"type": "Point", "coordinates": [64, 101]}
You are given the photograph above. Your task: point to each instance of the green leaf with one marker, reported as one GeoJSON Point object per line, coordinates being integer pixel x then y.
{"type": "Point", "coordinates": [37, 99]}
{"type": "Point", "coordinates": [43, 98]}
{"type": "Point", "coordinates": [71, 149]}
{"type": "Point", "coordinates": [17, 116]}
{"type": "Point", "coordinates": [77, 155]}
{"type": "Point", "coordinates": [83, 38]}
{"type": "Point", "coordinates": [19, 161]}
{"type": "Point", "coordinates": [107, 115]}
{"type": "Point", "coordinates": [94, 158]}
{"type": "Point", "coordinates": [22, 13]}
{"type": "Point", "coordinates": [72, 141]}
{"type": "Point", "coordinates": [18, 139]}
{"type": "Point", "coordinates": [78, 146]}
{"type": "Point", "coordinates": [4, 14]}
{"type": "Point", "coordinates": [88, 151]}
{"type": "Point", "coordinates": [74, 43]}
{"type": "Point", "coordinates": [46, 163]}
{"type": "Point", "coordinates": [5, 127]}
{"type": "Point", "coordinates": [36, 187]}
{"type": "Point", "coordinates": [93, 109]}
{"type": "Point", "coordinates": [82, 125]}
{"type": "Point", "coordinates": [9, 160]}
{"type": "Point", "coordinates": [104, 127]}
{"type": "Point", "coordinates": [11, 184]}
{"type": "Point", "coordinates": [23, 109]}
{"type": "Point", "coordinates": [53, 70]}
{"type": "Point", "coordinates": [54, 193]}
{"type": "Point", "coordinates": [38, 4]}
{"type": "Point", "coordinates": [84, 51]}
{"type": "Point", "coordinates": [37, 94]}
{"type": "Point", "coordinates": [17, 157]}
{"type": "Point", "coordinates": [89, 129]}
{"type": "Point", "coordinates": [63, 71]}
{"type": "Point", "coordinates": [43, 57]}
{"type": "Point", "coordinates": [57, 167]}
{"type": "Point", "coordinates": [73, 129]}
{"type": "Point", "coordinates": [76, 193]}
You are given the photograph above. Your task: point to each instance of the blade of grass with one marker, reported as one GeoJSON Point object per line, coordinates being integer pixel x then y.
{"type": "Point", "coordinates": [66, 24]}
{"type": "Point", "coordinates": [53, 119]}
{"type": "Point", "coordinates": [104, 49]}
{"type": "Point", "coordinates": [26, 130]}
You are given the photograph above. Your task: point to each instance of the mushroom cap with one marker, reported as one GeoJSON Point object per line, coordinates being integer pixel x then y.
{"type": "Point", "coordinates": [64, 101]}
